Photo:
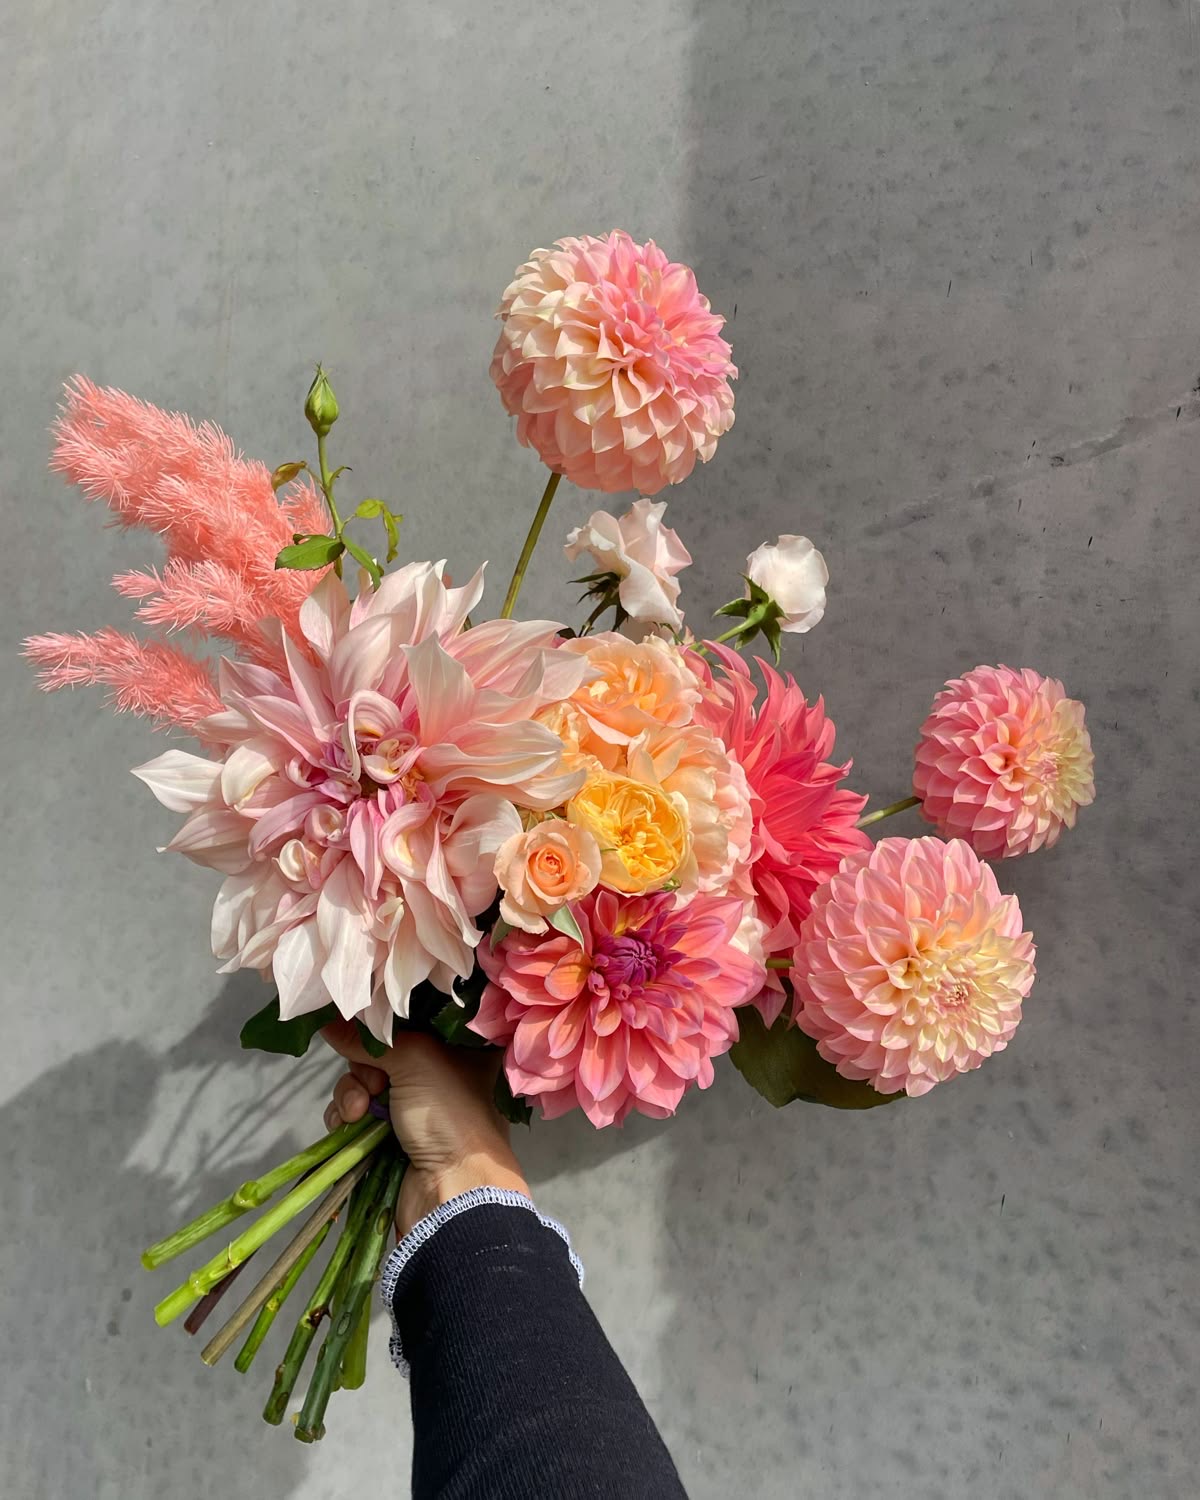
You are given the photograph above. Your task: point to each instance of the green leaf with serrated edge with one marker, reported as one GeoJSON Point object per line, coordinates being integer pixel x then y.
{"type": "Point", "coordinates": [285, 473]}
{"type": "Point", "coordinates": [265, 1032]}
{"type": "Point", "coordinates": [516, 1111]}
{"type": "Point", "coordinates": [367, 509]}
{"type": "Point", "coordinates": [312, 552]}
{"type": "Point", "coordinates": [783, 1064]}
{"type": "Point", "coordinates": [563, 920]}
{"type": "Point", "coordinates": [364, 558]}
{"type": "Point", "coordinates": [371, 1044]}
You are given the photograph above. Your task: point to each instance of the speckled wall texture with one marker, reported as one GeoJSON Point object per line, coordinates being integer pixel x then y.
{"type": "Point", "coordinates": [957, 243]}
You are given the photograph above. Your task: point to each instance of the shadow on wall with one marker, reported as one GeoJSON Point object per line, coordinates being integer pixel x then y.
{"type": "Point", "coordinates": [118, 1396]}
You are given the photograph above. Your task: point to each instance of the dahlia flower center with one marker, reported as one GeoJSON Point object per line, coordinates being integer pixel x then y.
{"type": "Point", "coordinates": [627, 967]}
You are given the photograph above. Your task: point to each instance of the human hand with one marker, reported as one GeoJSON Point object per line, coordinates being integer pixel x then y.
{"type": "Point", "coordinates": [440, 1102]}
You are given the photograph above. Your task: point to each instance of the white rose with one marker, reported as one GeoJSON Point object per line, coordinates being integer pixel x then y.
{"type": "Point", "coordinates": [793, 572]}
{"type": "Point", "coordinates": [643, 553]}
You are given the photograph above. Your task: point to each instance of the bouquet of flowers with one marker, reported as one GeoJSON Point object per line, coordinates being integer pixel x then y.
{"type": "Point", "coordinates": [610, 854]}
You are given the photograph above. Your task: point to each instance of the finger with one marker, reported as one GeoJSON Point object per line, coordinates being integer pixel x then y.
{"type": "Point", "coordinates": [332, 1118]}
{"type": "Point", "coordinates": [373, 1079]}
{"type": "Point", "coordinates": [342, 1036]}
{"type": "Point", "coordinates": [350, 1098]}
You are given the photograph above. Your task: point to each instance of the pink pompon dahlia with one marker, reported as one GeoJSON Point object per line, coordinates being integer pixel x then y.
{"type": "Point", "coordinates": [630, 1020]}
{"type": "Point", "coordinates": [613, 364]}
{"type": "Point", "coordinates": [911, 966]}
{"type": "Point", "coordinates": [1003, 761]}
{"type": "Point", "coordinates": [804, 820]}
{"type": "Point", "coordinates": [363, 793]}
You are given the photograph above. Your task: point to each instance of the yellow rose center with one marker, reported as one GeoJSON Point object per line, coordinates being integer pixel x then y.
{"type": "Point", "coordinates": [642, 834]}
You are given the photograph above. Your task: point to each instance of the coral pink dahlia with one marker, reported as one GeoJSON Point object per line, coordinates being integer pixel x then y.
{"type": "Point", "coordinates": [1004, 761]}
{"type": "Point", "coordinates": [362, 797]}
{"type": "Point", "coordinates": [613, 364]}
{"type": "Point", "coordinates": [911, 966]}
{"type": "Point", "coordinates": [631, 1019]}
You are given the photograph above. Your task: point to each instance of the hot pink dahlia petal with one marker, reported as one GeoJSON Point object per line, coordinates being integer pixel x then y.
{"type": "Point", "coordinates": [1004, 761]}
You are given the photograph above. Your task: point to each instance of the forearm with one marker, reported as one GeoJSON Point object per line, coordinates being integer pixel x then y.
{"type": "Point", "coordinates": [516, 1392]}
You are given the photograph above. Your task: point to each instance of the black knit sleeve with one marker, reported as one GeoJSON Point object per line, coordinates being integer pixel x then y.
{"type": "Point", "coordinates": [516, 1392]}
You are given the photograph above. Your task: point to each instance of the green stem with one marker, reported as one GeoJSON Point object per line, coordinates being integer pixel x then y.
{"type": "Point", "coordinates": [270, 1308]}
{"type": "Point", "coordinates": [262, 1229]}
{"type": "Point", "coordinates": [310, 1427]}
{"type": "Point", "coordinates": [779, 963]}
{"type": "Point", "coordinates": [252, 1194]}
{"type": "Point", "coordinates": [531, 541]}
{"type": "Point", "coordinates": [354, 1362]}
{"type": "Point", "coordinates": [327, 486]}
{"type": "Point", "coordinates": [886, 812]}
{"type": "Point", "coordinates": [321, 1299]}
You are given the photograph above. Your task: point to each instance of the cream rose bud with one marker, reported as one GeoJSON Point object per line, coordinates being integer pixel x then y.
{"type": "Point", "coordinates": [643, 553]}
{"type": "Point", "coordinates": [793, 572]}
{"type": "Point", "coordinates": [542, 869]}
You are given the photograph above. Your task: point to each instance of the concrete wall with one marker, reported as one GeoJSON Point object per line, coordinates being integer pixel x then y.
{"type": "Point", "coordinates": [957, 242]}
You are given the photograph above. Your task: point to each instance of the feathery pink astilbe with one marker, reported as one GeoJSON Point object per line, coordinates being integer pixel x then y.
{"type": "Point", "coordinates": [206, 597]}
{"type": "Point", "coordinates": [150, 678]}
{"type": "Point", "coordinates": [159, 470]}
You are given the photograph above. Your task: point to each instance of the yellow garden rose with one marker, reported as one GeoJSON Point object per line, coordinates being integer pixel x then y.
{"type": "Point", "coordinates": [642, 832]}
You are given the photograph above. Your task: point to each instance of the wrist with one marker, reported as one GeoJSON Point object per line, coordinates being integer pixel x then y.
{"type": "Point", "coordinates": [426, 1190]}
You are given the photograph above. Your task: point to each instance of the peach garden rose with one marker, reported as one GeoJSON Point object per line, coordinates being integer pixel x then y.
{"type": "Point", "coordinates": [543, 868]}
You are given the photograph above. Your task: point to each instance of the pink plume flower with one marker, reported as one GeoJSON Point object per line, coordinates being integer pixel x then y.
{"type": "Point", "coordinates": [223, 527]}
{"type": "Point", "coordinates": [1004, 761]}
{"type": "Point", "coordinates": [803, 819]}
{"type": "Point", "coordinates": [629, 1020]}
{"type": "Point", "coordinates": [911, 966]}
{"type": "Point", "coordinates": [149, 678]}
{"type": "Point", "coordinates": [613, 364]}
{"type": "Point", "coordinates": [363, 793]}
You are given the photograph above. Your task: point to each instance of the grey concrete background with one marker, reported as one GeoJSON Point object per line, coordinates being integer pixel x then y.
{"type": "Point", "coordinates": [957, 243]}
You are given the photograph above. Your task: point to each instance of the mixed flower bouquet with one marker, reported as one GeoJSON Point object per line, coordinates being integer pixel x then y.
{"type": "Point", "coordinates": [610, 854]}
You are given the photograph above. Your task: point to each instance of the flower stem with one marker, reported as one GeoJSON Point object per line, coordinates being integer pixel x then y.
{"type": "Point", "coordinates": [327, 486]}
{"type": "Point", "coordinates": [531, 541]}
{"type": "Point", "coordinates": [252, 1194]}
{"type": "Point", "coordinates": [779, 963]}
{"type": "Point", "coordinates": [310, 1427]}
{"type": "Point", "coordinates": [262, 1229]}
{"type": "Point", "coordinates": [354, 1362]}
{"type": "Point", "coordinates": [196, 1319]}
{"type": "Point", "coordinates": [322, 1296]}
{"type": "Point", "coordinates": [886, 812]}
{"type": "Point", "coordinates": [314, 1225]}
{"type": "Point", "coordinates": [270, 1308]}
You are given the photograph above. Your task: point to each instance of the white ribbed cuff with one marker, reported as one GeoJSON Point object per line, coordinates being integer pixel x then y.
{"type": "Point", "coordinates": [425, 1229]}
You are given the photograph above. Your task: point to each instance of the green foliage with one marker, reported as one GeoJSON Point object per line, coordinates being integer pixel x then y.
{"type": "Point", "coordinates": [265, 1032]}
{"type": "Point", "coordinates": [364, 559]}
{"type": "Point", "coordinates": [783, 1064]}
{"type": "Point", "coordinates": [371, 1045]}
{"type": "Point", "coordinates": [285, 473]}
{"type": "Point", "coordinates": [563, 920]}
{"type": "Point", "coordinates": [515, 1111]}
{"type": "Point", "coordinates": [309, 552]}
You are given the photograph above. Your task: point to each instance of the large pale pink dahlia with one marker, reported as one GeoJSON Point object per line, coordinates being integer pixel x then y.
{"type": "Point", "coordinates": [630, 1020]}
{"type": "Point", "coordinates": [1004, 761]}
{"type": "Point", "coordinates": [613, 364]}
{"type": "Point", "coordinates": [804, 820]}
{"type": "Point", "coordinates": [911, 966]}
{"type": "Point", "coordinates": [363, 794]}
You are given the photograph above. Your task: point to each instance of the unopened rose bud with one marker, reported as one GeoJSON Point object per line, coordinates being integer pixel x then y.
{"type": "Point", "coordinates": [321, 406]}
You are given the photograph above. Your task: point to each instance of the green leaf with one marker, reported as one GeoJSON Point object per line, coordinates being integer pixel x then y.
{"type": "Point", "coordinates": [311, 552]}
{"type": "Point", "coordinates": [563, 920]}
{"type": "Point", "coordinates": [368, 509]}
{"type": "Point", "coordinates": [783, 1064]}
{"type": "Point", "coordinates": [285, 473]}
{"type": "Point", "coordinates": [391, 520]}
{"type": "Point", "coordinates": [515, 1111]}
{"type": "Point", "coordinates": [452, 1024]}
{"type": "Point", "coordinates": [500, 931]}
{"type": "Point", "coordinates": [362, 556]}
{"type": "Point", "coordinates": [265, 1032]}
{"type": "Point", "coordinates": [371, 1045]}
